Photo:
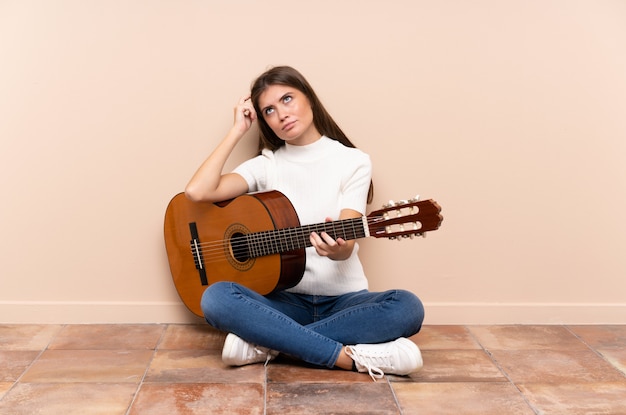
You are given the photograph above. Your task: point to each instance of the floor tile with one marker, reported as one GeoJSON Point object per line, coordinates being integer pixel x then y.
{"type": "Point", "coordinates": [27, 336]}
{"type": "Point", "coordinates": [526, 338]}
{"type": "Point", "coordinates": [455, 366]}
{"type": "Point", "coordinates": [609, 341]}
{"type": "Point", "coordinates": [68, 399]}
{"type": "Point", "coordinates": [602, 336]}
{"type": "Point", "coordinates": [283, 371]}
{"type": "Point", "coordinates": [108, 337]}
{"type": "Point", "coordinates": [198, 366]}
{"type": "Point", "coordinates": [174, 369]}
{"type": "Point", "coordinates": [89, 366]}
{"type": "Point", "coordinates": [558, 367]}
{"type": "Point", "coordinates": [445, 337]}
{"type": "Point", "coordinates": [577, 399]}
{"type": "Point", "coordinates": [616, 357]}
{"type": "Point", "coordinates": [192, 336]}
{"type": "Point", "coordinates": [192, 399]}
{"type": "Point", "coordinates": [4, 388]}
{"type": "Point", "coordinates": [14, 363]}
{"type": "Point", "coordinates": [461, 399]}
{"type": "Point", "coordinates": [326, 398]}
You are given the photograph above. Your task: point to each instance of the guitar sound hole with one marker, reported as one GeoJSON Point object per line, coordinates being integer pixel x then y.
{"type": "Point", "coordinates": [239, 247]}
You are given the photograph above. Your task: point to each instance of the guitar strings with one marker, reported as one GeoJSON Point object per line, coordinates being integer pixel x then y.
{"type": "Point", "coordinates": [296, 233]}
{"type": "Point", "coordinates": [212, 251]}
{"type": "Point", "coordinates": [267, 242]}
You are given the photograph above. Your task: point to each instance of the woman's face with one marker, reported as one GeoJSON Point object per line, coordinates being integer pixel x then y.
{"type": "Point", "coordinates": [288, 113]}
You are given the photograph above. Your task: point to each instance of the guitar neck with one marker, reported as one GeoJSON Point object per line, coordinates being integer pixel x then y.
{"type": "Point", "coordinates": [289, 239]}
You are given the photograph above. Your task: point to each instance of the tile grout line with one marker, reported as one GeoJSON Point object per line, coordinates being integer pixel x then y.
{"type": "Point", "coordinates": [395, 397]}
{"type": "Point", "coordinates": [593, 349]}
{"type": "Point", "coordinates": [42, 351]}
{"type": "Point", "coordinates": [145, 373]}
{"type": "Point", "coordinates": [501, 369]}
{"type": "Point", "coordinates": [265, 387]}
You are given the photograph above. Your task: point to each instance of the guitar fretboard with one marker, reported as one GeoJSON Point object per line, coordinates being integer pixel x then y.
{"type": "Point", "coordinates": [289, 239]}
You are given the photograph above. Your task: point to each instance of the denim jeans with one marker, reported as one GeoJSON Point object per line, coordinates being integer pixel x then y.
{"type": "Point", "coordinates": [312, 328]}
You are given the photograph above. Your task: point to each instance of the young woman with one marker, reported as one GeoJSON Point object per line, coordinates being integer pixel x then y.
{"type": "Point", "coordinates": [329, 318]}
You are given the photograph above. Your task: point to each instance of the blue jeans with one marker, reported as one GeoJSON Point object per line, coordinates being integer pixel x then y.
{"type": "Point", "coordinates": [312, 328]}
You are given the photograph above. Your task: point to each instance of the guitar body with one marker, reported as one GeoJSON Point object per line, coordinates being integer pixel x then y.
{"type": "Point", "coordinates": [213, 229]}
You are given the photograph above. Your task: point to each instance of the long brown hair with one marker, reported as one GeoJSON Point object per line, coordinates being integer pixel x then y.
{"type": "Point", "coordinates": [324, 123]}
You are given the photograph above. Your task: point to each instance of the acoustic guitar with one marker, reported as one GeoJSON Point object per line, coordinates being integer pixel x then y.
{"type": "Point", "coordinates": [257, 240]}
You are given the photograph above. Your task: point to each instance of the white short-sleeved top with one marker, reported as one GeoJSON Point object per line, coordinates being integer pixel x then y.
{"type": "Point", "coordinates": [320, 179]}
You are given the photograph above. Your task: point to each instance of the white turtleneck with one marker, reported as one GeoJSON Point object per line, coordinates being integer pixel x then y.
{"type": "Point", "coordinates": [320, 179]}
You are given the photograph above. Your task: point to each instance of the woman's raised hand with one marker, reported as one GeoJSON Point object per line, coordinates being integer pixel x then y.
{"type": "Point", "coordinates": [244, 114]}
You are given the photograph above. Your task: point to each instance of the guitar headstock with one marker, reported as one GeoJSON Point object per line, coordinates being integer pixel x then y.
{"type": "Point", "coordinates": [405, 219]}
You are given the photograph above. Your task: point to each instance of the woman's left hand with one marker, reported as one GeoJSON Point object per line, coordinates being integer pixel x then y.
{"type": "Point", "coordinates": [335, 249]}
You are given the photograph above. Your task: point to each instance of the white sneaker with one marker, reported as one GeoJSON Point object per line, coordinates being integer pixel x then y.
{"type": "Point", "coordinates": [238, 352]}
{"type": "Point", "coordinates": [399, 357]}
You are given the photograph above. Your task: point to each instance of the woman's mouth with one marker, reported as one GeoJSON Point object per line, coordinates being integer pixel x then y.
{"type": "Point", "coordinates": [288, 126]}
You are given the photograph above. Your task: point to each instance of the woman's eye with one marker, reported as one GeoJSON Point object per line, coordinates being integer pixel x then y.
{"type": "Point", "coordinates": [268, 111]}
{"type": "Point", "coordinates": [287, 99]}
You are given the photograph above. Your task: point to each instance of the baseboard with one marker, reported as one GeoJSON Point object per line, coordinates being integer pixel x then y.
{"type": "Point", "coordinates": [95, 312]}
{"type": "Point", "coordinates": [525, 313]}
{"type": "Point", "coordinates": [437, 313]}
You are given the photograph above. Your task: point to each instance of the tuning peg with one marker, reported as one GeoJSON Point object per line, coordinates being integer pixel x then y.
{"type": "Point", "coordinates": [389, 204]}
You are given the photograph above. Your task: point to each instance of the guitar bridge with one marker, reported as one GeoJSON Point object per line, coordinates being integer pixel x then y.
{"type": "Point", "coordinates": [196, 251]}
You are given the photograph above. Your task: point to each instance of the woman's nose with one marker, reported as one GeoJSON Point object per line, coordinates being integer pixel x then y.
{"type": "Point", "coordinates": [281, 114]}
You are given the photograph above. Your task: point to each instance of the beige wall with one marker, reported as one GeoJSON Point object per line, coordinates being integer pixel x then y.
{"type": "Point", "coordinates": [511, 114]}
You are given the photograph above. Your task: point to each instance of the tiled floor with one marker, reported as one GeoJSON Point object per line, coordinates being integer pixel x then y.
{"type": "Point", "coordinates": [177, 369]}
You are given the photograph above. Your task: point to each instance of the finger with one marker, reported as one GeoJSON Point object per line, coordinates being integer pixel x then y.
{"type": "Point", "coordinates": [328, 239]}
{"type": "Point", "coordinates": [316, 242]}
{"type": "Point", "coordinates": [245, 112]}
{"type": "Point", "coordinates": [319, 242]}
{"type": "Point", "coordinates": [315, 239]}
{"type": "Point", "coordinates": [248, 109]}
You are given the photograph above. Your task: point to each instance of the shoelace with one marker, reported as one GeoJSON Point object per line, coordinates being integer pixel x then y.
{"type": "Point", "coordinates": [365, 361]}
{"type": "Point", "coordinates": [268, 354]}
{"type": "Point", "coordinates": [259, 351]}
